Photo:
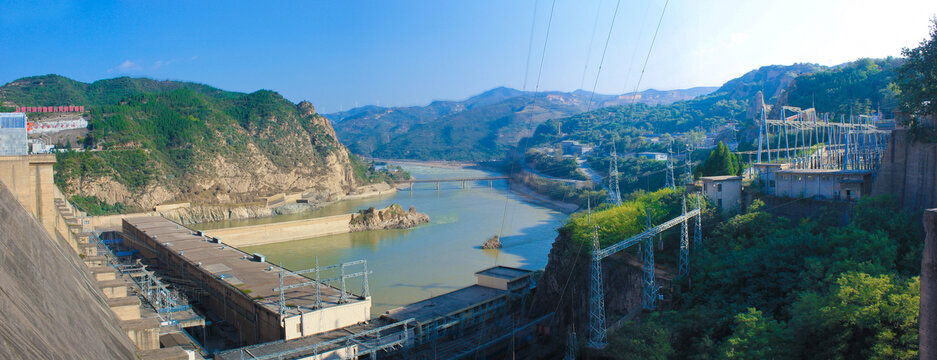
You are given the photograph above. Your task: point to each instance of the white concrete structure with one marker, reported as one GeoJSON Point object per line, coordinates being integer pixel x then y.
{"type": "Point", "coordinates": [824, 184]}
{"type": "Point", "coordinates": [725, 191]}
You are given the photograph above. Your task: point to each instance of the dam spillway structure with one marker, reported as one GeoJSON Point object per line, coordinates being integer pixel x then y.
{"type": "Point", "coordinates": [242, 289]}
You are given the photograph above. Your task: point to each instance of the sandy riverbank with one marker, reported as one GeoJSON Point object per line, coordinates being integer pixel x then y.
{"type": "Point", "coordinates": [540, 199]}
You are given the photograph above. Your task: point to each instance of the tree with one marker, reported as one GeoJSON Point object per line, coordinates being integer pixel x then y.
{"type": "Point", "coordinates": [757, 337]}
{"type": "Point", "coordinates": [720, 162]}
{"type": "Point", "coordinates": [917, 78]}
{"type": "Point", "coordinates": [859, 317]}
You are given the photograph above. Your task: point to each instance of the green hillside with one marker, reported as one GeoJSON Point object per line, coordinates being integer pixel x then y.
{"type": "Point", "coordinates": [858, 87]}
{"type": "Point", "coordinates": [175, 136]}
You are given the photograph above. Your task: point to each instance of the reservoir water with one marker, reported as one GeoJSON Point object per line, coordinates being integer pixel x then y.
{"type": "Point", "coordinates": [432, 259]}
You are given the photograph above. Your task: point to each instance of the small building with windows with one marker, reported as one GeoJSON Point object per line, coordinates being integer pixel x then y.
{"type": "Point", "coordinates": [724, 191]}
{"type": "Point", "coordinates": [765, 173]}
{"type": "Point", "coordinates": [825, 184]}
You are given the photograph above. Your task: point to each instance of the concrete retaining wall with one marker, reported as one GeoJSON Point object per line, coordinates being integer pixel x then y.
{"type": "Point", "coordinates": [282, 231]}
{"type": "Point", "coordinates": [909, 172]}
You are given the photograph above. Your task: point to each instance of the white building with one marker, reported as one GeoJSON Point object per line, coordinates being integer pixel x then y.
{"type": "Point", "coordinates": [725, 191]}
{"type": "Point", "coordinates": [824, 184]}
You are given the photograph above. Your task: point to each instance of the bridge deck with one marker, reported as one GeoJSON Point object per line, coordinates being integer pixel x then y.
{"type": "Point", "coordinates": [486, 178]}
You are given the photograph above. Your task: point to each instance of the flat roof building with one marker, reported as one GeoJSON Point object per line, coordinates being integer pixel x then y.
{"type": "Point", "coordinates": [825, 184]}
{"type": "Point", "coordinates": [239, 288]}
{"type": "Point", "coordinates": [448, 313]}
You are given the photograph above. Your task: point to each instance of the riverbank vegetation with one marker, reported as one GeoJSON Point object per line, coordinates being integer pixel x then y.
{"type": "Point", "coordinates": [583, 195]}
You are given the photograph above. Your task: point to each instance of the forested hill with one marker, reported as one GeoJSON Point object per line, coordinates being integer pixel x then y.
{"type": "Point", "coordinates": [858, 87]}
{"type": "Point", "coordinates": [478, 128]}
{"type": "Point", "coordinates": [155, 141]}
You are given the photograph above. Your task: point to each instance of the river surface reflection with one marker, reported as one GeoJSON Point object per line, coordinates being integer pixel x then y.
{"type": "Point", "coordinates": [432, 259]}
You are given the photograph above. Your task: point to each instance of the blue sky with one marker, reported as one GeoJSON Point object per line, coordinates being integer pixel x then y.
{"type": "Point", "coordinates": [340, 53]}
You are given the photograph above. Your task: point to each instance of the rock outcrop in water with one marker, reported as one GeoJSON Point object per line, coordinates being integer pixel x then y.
{"type": "Point", "coordinates": [391, 217]}
{"type": "Point", "coordinates": [493, 243]}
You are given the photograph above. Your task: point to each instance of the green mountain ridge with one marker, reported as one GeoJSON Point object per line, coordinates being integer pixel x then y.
{"type": "Point", "coordinates": [153, 141]}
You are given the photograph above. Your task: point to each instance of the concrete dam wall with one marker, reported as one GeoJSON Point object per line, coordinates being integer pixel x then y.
{"type": "Point", "coordinates": [283, 231]}
{"type": "Point", "coordinates": [49, 307]}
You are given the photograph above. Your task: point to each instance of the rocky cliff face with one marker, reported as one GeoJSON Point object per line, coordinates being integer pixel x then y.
{"type": "Point", "coordinates": [391, 217]}
{"type": "Point", "coordinates": [565, 285]}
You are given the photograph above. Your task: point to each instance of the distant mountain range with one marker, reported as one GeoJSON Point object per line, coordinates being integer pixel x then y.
{"type": "Point", "coordinates": [478, 128]}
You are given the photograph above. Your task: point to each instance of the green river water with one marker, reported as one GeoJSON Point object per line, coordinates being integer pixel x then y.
{"type": "Point", "coordinates": [432, 259]}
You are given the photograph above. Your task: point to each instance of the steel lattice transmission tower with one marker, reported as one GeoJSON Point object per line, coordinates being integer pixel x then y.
{"type": "Point", "coordinates": [614, 194]}
{"type": "Point", "coordinates": [649, 296]}
{"type": "Point", "coordinates": [668, 182]}
{"type": "Point", "coordinates": [688, 176]}
{"type": "Point", "coordinates": [598, 338]}
{"type": "Point", "coordinates": [571, 346]}
{"type": "Point", "coordinates": [698, 234]}
{"type": "Point", "coordinates": [684, 245]}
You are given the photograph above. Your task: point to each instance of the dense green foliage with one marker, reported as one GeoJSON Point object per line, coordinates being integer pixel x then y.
{"type": "Point", "coordinates": [551, 166]}
{"type": "Point", "coordinates": [917, 78]}
{"type": "Point", "coordinates": [720, 162]}
{"type": "Point", "coordinates": [630, 218]}
{"type": "Point", "coordinates": [766, 288]}
{"type": "Point", "coordinates": [859, 87]}
{"type": "Point", "coordinates": [96, 207]}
